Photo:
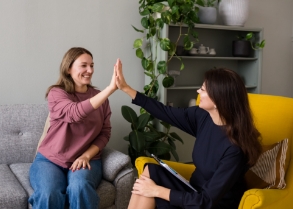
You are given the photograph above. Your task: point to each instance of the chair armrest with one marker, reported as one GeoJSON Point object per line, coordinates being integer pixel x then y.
{"type": "Point", "coordinates": [113, 162]}
{"type": "Point", "coordinates": [183, 169]}
{"type": "Point", "coordinates": [265, 198]}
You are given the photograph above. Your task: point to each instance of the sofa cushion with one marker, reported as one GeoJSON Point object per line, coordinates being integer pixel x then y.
{"type": "Point", "coordinates": [270, 169]}
{"type": "Point", "coordinates": [12, 195]}
{"type": "Point", "coordinates": [106, 190]}
{"type": "Point", "coordinates": [21, 126]}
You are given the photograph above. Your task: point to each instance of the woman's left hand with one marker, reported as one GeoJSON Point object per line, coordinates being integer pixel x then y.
{"type": "Point", "coordinates": [80, 163]}
{"type": "Point", "coordinates": [145, 186]}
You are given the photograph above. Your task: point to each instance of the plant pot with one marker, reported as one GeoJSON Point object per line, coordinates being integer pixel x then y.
{"type": "Point", "coordinates": [241, 48]}
{"type": "Point", "coordinates": [207, 15]}
{"type": "Point", "coordinates": [234, 12]}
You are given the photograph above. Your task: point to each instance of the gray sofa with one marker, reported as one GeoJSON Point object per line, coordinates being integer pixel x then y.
{"type": "Point", "coordinates": [21, 126]}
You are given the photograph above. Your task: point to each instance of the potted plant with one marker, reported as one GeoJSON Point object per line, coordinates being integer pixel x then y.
{"type": "Point", "coordinates": [245, 44]}
{"type": "Point", "coordinates": [207, 11]}
{"type": "Point", "coordinates": [147, 135]}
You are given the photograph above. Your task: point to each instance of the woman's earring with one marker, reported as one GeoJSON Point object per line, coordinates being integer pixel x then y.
{"type": "Point", "coordinates": [215, 106]}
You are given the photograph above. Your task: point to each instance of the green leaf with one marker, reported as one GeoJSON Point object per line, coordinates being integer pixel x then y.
{"type": "Point", "coordinates": [141, 31]}
{"type": "Point", "coordinates": [139, 53]}
{"type": "Point", "coordinates": [152, 31]}
{"type": "Point", "coordinates": [168, 81]}
{"type": "Point", "coordinates": [249, 36]}
{"type": "Point", "coordinates": [137, 43]}
{"type": "Point", "coordinates": [143, 120]}
{"type": "Point", "coordinates": [171, 2]}
{"type": "Point", "coordinates": [200, 3]}
{"type": "Point", "coordinates": [165, 44]}
{"type": "Point", "coordinates": [192, 15]}
{"type": "Point", "coordinates": [166, 125]}
{"type": "Point", "coordinates": [176, 136]}
{"type": "Point", "coordinates": [150, 136]}
{"type": "Point", "coordinates": [142, 110]}
{"type": "Point", "coordinates": [158, 7]}
{"type": "Point", "coordinates": [144, 12]}
{"type": "Point", "coordinates": [159, 148]}
{"type": "Point", "coordinates": [187, 43]}
{"type": "Point", "coordinates": [129, 114]}
{"type": "Point", "coordinates": [145, 63]}
{"type": "Point", "coordinates": [175, 155]}
{"type": "Point", "coordinates": [175, 9]}
{"type": "Point", "coordinates": [137, 140]}
{"type": "Point", "coordinates": [262, 44]}
{"type": "Point", "coordinates": [172, 49]}
{"type": "Point", "coordinates": [171, 142]}
{"type": "Point", "coordinates": [150, 67]}
{"type": "Point", "coordinates": [149, 74]}
{"type": "Point", "coordinates": [151, 21]}
{"type": "Point", "coordinates": [166, 17]}
{"type": "Point", "coordinates": [182, 66]}
{"type": "Point", "coordinates": [160, 23]}
{"type": "Point", "coordinates": [162, 67]}
{"type": "Point", "coordinates": [145, 22]}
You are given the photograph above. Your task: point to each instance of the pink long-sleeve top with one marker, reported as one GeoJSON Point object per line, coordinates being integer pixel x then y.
{"type": "Point", "coordinates": [74, 126]}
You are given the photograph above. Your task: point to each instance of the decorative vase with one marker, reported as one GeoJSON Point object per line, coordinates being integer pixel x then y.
{"type": "Point", "coordinates": [234, 12]}
{"type": "Point", "coordinates": [207, 15]}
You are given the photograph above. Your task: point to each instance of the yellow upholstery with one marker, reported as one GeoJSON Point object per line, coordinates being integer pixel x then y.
{"type": "Point", "coordinates": [273, 116]}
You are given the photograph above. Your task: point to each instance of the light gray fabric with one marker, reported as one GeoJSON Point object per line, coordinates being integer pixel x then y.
{"type": "Point", "coordinates": [124, 183]}
{"type": "Point", "coordinates": [21, 126]}
{"type": "Point", "coordinates": [12, 195]}
{"type": "Point", "coordinates": [107, 193]}
{"type": "Point", "coordinates": [113, 161]}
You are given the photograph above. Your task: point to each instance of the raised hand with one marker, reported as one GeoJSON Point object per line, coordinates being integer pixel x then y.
{"type": "Point", "coordinates": [120, 81]}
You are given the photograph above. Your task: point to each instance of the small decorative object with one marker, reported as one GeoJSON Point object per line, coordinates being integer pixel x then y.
{"type": "Point", "coordinates": [212, 51]}
{"type": "Point", "coordinates": [203, 49]}
{"type": "Point", "coordinates": [243, 46]}
{"type": "Point", "coordinates": [207, 11]}
{"type": "Point", "coordinates": [193, 51]}
{"type": "Point", "coordinates": [234, 12]}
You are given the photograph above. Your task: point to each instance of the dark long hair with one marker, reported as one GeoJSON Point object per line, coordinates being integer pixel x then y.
{"type": "Point", "coordinates": [65, 81]}
{"type": "Point", "coordinates": [227, 90]}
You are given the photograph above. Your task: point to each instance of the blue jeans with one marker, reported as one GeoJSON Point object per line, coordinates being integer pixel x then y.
{"type": "Point", "coordinates": [55, 186]}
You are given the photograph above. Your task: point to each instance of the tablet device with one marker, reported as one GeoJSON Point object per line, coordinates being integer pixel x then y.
{"type": "Point", "coordinates": [173, 172]}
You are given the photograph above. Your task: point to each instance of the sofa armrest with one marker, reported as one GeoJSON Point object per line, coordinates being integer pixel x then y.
{"type": "Point", "coordinates": [123, 183]}
{"type": "Point", "coordinates": [183, 169]}
{"type": "Point", "coordinates": [265, 198]}
{"type": "Point", "coordinates": [113, 162]}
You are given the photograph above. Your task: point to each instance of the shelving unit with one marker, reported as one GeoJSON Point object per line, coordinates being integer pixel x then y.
{"type": "Point", "coordinates": [191, 77]}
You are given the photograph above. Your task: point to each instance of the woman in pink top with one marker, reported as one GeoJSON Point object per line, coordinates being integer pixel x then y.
{"type": "Point", "coordinates": [67, 168]}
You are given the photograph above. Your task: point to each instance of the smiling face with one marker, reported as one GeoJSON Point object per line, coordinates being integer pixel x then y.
{"type": "Point", "coordinates": [205, 101]}
{"type": "Point", "coordinates": [81, 72]}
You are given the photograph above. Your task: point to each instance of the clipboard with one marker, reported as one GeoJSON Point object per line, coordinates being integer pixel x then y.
{"type": "Point", "coordinates": [173, 172]}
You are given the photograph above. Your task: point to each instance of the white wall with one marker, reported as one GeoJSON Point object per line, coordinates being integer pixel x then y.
{"type": "Point", "coordinates": [276, 18]}
{"type": "Point", "coordinates": [35, 35]}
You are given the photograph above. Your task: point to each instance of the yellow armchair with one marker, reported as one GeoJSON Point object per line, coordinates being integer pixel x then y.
{"type": "Point", "coordinates": [273, 116]}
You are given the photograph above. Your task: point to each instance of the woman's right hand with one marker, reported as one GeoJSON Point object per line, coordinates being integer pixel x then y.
{"type": "Point", "coordinates": [120, 81]}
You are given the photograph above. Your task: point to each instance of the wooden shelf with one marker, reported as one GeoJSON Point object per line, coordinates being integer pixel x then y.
{"type": "Point", "coordinates": [218, 58]}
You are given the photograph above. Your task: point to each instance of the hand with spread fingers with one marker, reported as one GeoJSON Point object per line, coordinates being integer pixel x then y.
{"type": "Point", "coordinates": [80, 163]}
